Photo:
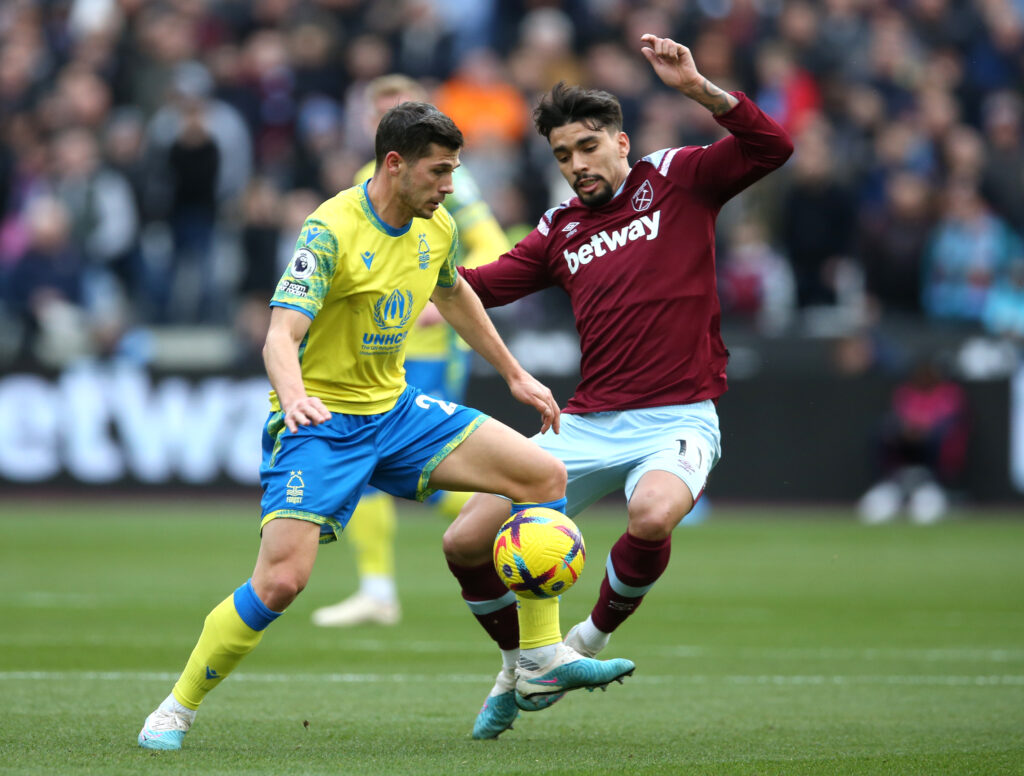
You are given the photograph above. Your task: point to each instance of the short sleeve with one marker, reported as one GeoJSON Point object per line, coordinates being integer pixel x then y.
{"type": "Point", "coordinates": [307, 278]}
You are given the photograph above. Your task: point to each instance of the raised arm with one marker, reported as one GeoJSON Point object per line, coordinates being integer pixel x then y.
{"type": "Point", "coordinates": [756, 144]}
{"type": "Point", "coordinates": [674, 65]}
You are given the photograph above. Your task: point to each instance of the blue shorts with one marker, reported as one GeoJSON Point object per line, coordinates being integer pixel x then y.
{"type": "Point", "coordinates": [318, 473]}
{"type": "Point", "coordinates": [442, 378]}
{"type": "Point", "coordinates": [604, 451]}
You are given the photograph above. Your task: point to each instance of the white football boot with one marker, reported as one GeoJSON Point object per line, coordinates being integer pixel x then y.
{"type": "Point", "coordinates": [358, 609]}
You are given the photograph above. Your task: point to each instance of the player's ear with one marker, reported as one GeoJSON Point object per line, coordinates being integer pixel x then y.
{"type": "Point", "coordinates": [393, 162]}
{"type": "Point", "coordinates": [623, 141]}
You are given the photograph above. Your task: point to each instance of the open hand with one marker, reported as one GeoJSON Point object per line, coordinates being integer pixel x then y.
{"type": "Point", "coordinates": [672, 61]}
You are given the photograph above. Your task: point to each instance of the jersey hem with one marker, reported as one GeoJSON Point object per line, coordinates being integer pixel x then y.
{"type": "Point", "coordinates": [583, 409]}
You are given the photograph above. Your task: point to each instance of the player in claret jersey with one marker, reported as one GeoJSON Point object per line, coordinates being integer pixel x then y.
{"type": "Point", "coordinates": [634, 250]}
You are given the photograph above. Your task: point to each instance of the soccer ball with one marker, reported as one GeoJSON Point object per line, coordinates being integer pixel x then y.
{"type": "Point", "coordinates": [539, 553]}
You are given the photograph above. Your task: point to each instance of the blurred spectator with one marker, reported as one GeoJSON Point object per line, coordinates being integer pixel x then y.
{"type": "Point", "coordinates": [201, 159]}
{"type": "Point", "coordinates": [270, 80]}
{"type": "Point", "coordinates": [963, 154]}
{"type": "Point", "coordinates": [921, 448]}
{"type": "Point", "coordinates": [892, 242]}
{"type": "Point", "coordinates": [970, 250]}
{"type": "Point", "coordinates": [191, 96]}
{"type": "Point", "coordinates": [103, 216]}
{"type": "Point", "coordinates": [545, 52]}
{"type": "Point", "coordinates": [44, 291]}
{"type": "Point", "coordinates": [261, 238]}
{"type": "Point", "coordinates": [319, 135]}
{"type": "Point", "coordinates": [193, 161]}
{"type": "Point", "coordinates": [788, 92]}
{"type": "Point", "coordinates": [424, 44]}
{"type": "Point", "coordinates": [483, 103]}
{"type": "Point", "coordinates": [755, 280]}
{"type": "Point", "coordinates": [817, 220]}
{"type": "Point", "coordinates": [1003, 176]}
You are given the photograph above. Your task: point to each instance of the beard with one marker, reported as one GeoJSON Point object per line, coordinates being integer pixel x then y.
{"type": "Point", "coordinates": [598, 197]}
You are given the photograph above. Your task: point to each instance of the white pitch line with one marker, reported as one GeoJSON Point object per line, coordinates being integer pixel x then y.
{"type": "Point", "coordinates": [936, 654]}
{"type": "Point", "coordinates": [939, 680]}
{"type": "Point", "coordinates": [680, 651]}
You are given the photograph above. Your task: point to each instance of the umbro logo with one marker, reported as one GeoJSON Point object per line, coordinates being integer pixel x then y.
{"type": "Point", "coordinates": [570, 229]}
{"type": "Point", "coordinates": [368, 258]}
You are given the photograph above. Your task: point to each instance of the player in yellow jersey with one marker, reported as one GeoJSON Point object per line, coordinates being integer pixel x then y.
{"type": "Point", "coordinates": [342, 415]}
{"type": "Point", "coordinates": [436, 362]}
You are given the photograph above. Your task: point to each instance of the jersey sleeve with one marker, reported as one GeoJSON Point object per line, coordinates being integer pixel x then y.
{"type": "Point", "coordinates": [448, 274]}
{"type": "Point", "coordinates": [755, 146]}
{"type": "Point", "coordinates": [307, 278]}
{"type": "Point", "coordinates": [517, 273]}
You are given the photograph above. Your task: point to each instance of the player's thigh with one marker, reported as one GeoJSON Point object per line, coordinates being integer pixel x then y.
{"type": "Point", "coordinates": [596, 461]}
{"type": "Point", "coordinates": [415, 438]}
{"type": "Point", "coordinates": [498, 459]}
{"type": "Point", "coordinates": [681, 441]}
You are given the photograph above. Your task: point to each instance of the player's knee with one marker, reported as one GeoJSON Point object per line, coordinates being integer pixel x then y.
{"type": "Point", "coordinates": [654, 522]}
{"type": "Point", "coordinates": [551, 480]}
{"type": "Point", "coordinates": [463, 546]}
{"type": "Point", "coordinates": [280, 587]}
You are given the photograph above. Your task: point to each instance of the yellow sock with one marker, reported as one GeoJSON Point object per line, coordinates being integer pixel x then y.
{"type": "Point", "coordinates": [225, 640]}
{"type": "Point", "coordinates": [451, 503]}
{"type": "Point", "coordinates": [538, 622]}
{"type": "Point", "coordinates": [372, 533]}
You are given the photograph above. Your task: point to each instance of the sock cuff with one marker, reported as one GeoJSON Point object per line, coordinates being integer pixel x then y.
{"type": "Point", "coordinates": [558, 505]}
{"type": "Point", "coordinates": [482, 588]}
{"type": "Point", "coordinates": [254, 613]}
{"type": "Point", "coordinates": [634, 564]}
{"type": "Point", "coordinates": [648, 544]}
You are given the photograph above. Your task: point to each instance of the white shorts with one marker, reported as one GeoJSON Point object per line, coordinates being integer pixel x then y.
{"type": "Point", "coordinates": [603, 451]}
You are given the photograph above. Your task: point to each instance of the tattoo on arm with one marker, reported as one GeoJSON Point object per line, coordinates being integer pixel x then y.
{"type": "Point", "coordinates": [714, 99]}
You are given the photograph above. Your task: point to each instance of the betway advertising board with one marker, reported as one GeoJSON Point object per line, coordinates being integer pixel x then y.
{"type": "Point", "coordinates": [106, 425]}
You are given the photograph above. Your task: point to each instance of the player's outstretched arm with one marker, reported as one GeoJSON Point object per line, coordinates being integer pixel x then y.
{"type": "Point", "coordinates": [281, 357]}
{"type": "Point", "coordinates": [461, 307]}
{"type": "Point", "coordinates": [674, 65]}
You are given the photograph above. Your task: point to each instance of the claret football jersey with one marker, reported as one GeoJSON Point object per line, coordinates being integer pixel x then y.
{"type": "Point", "coordinates": [640, 269]}
{"type": "Point", "coordinates": [363, 283]}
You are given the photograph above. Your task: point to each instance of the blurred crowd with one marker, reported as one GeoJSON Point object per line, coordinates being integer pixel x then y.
{"type": "Point", "coordinates": [158, 157]}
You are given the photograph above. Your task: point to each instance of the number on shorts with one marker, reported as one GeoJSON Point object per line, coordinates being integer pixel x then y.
{"type": "Point", "coordinates": [423, 402]}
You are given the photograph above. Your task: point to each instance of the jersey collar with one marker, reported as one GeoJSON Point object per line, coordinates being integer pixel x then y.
{"type": "Point", "coordinates": [376, 220]}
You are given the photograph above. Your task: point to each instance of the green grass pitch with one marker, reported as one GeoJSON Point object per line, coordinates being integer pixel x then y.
{"type": "Point", "coordinates": [776, 643]}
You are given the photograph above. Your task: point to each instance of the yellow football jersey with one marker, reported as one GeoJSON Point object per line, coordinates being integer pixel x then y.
{"type": "Point", "coordinates": [481, 241]}
{"type": "Point", "coordinates": [363, 283]}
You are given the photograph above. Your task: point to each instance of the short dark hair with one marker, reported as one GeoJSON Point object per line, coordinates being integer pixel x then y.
{"type": "Point", "coordinates": [564, 104]}
{"type": "Point", "coordinates": [411, 127]}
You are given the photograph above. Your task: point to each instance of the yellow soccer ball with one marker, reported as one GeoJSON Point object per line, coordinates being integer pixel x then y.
{"type": "Point", "coordinates": [539, 553]}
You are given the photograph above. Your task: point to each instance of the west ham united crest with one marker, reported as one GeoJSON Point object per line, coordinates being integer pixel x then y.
{"type": "Point", "coordinates": [643, 197]}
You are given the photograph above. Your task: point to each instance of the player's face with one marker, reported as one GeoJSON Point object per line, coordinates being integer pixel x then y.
{"type": "Point", "coordinates": [593, 161]}
{"type": "Point", "coordinates": [425, 183]}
